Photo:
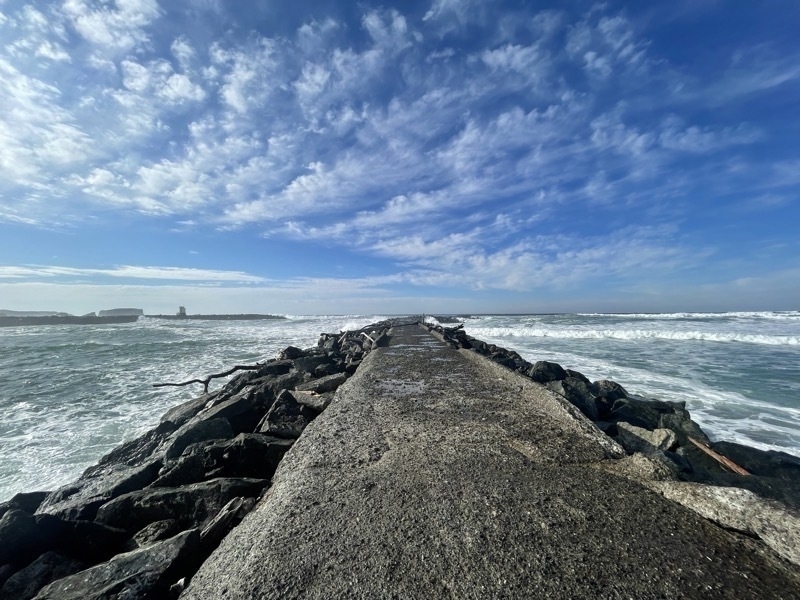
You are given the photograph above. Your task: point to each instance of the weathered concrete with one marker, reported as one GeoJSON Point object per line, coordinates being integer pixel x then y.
{"type": "Point", "coordinates": [436, 473]}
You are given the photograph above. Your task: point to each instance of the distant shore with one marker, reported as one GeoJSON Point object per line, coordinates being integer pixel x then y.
{"type": "Point", "coordinates": [21, 321]}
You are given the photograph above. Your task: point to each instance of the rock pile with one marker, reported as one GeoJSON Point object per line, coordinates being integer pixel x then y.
{"type": "Point", "coordinates": [661, 431]}
{"type": "Point", "coordinates": [141, 522]}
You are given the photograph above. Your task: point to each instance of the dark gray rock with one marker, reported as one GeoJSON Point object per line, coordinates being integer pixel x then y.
{"type": "Point", "coordinates": [307, 364]}
{"type": "Point", "coordinates": [155, 532]}
{"type": "Point", "coordinates": [49, 567]}
{"type": "Point", "coordinates": [6, 571]}
{"type": "Point", "coordinates": [328, 368]}
{"type": "Point", "coordinates": [681, 423]}
{"type": "Point", "coordinates": [142, 573]}
{"type": "Point", "coordinates": [544, 371]}
{"type": "Point", "coordinates": [766, 463]}
{"type": "Point", "coordinates": [190, 505]}
{"type": "Point", "coordinates": [291, 353]}
{"type": "Point", "coordinates": [269, 369]}
{"type": "Point", "coordinates": [25, 501]}
{"type": "Point", "coordinates": [328, 383]}
{"type": "Point", "coordinates": [244, 410]}
{"type": "Point", "coordinates": [247, 455]}
{"type": "Point", "coordinates": [134, 453]}
{"type": "Point", "coordinates": [183, 412]}
{"type": "Point", "coordinates": [287, 418]}
{"type": "Point", "coordinates": [610, 389]}
{"type": "Point", "coordinates": [197, 431]}
{"type": "Point", "coordinates": [188, 468]}
{"type": "Point", "coordinates": [578, 375]}
{"type": "Point", "coordinates": [20, 539]}
{"type": "Point", "coordinates": [80, 500]}
{"type": "Point", "coordinates": [578, 393]}
{"type": "Point", "coordinates": [84, 540]}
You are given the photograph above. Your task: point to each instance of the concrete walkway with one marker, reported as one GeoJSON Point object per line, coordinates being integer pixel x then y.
{"type": "Point", "coordinates": [438, 474]}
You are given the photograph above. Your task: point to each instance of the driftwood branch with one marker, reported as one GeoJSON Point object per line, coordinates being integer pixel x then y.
{"type": "Point", "coordinates": [726, 462]}
{"type": "Point", "coordinates": [208, 379]}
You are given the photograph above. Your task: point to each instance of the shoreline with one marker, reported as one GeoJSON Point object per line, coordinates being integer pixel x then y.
{"type": "Point", "coordinates": [214, 446]}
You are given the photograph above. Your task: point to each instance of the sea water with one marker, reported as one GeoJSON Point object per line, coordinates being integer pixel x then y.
{"type": "Point", "coordinates": [69, 394]}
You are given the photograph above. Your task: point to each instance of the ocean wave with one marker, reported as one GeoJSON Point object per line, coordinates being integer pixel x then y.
{"type": "Point", "coordinates": [632, 334]}
{"type": "Point", "coordinates": [777, 315]}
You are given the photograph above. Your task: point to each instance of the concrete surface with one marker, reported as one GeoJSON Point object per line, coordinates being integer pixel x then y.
{"type": "Point", "coordinates": [435, 473]}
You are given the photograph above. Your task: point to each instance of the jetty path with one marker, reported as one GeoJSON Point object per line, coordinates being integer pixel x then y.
{"type": "Point", "coordinates": [436, 473]}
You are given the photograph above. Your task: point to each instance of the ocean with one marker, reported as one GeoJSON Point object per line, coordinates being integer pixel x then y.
{"type": "Point", "coordinates": [69, 394]}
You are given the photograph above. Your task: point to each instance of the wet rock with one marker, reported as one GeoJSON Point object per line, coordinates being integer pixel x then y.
{"type": "Point", "coordinates": [183, 412]}
{"type": "Point", "coordinates": [641, 412]}
{"type": "Point", "coordinates": [307, 364]}
{"type": "Point", "coordinates": [83, 540]}
{"type": "Point", "coordinates": [190, 505]}
{"type": "Point", "coordinates": [287, 418]}
{"type": "Point", "coordinates": [80, 500]}
{"type": "Point", "coordinates": [328, 368]}
{"type": "Point", "coordinates": [142, 573]}
{"type": "Point", "coordinates": [6, 571]}
{"type": "Point", "coordinates": [25, 501]}
{"type": "Point", "coordinates": [198, 431]}
{"type": "Point", "coordinates": [681, 423]}
{"type": "Point", "coordinates": [544, 371]}
{"type": "Point", "coordinates": [49, 567]}
{"type": "Point", "coordinates": [271, 368]}
{"type": "Point", "coordinates": [766, 463]}
{"type": "Point", "coordinates": [636, 439]}
{"type": "Point", "coordinates": [243, 410]}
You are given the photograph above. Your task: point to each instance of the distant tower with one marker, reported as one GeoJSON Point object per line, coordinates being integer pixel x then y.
{"type": "Point", "coordinates": [181, 311]}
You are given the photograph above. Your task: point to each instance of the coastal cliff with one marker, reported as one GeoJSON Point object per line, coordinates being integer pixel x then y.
{"type": "Point", "coordinates": [435, 464]}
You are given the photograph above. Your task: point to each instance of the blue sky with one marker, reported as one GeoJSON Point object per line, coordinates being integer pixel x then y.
{"type": "Point", "coordinates": [436, 156]}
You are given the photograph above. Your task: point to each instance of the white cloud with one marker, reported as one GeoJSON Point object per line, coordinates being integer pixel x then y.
{"type": "Point", "coordinates": [121, 27]}
{"type": "Point", "coordinates": [129, 272]}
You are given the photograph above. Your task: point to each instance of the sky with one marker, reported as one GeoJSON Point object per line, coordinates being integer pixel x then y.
{"type": "Point", "coordinates": [321, 157]}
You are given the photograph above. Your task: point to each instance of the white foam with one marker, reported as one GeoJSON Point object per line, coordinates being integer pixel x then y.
{"type": "Point", "coordinates": [574, 333]}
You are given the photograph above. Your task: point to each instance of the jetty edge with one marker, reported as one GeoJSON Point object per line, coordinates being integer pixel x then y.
{"type": "Point", "coordinates": [433, 469]}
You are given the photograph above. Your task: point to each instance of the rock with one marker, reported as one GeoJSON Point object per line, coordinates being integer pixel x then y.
{"type": "Point", "coordinates": [328, 368]}
{"type": "Point", "coordinates": [314, 401]}
{"type": "Point", "coordinates": [190, 505]}
{"type": "Point", "coordinates": [188, 468]}
{"type": "Point", "coordinates": [653, 466]}
{"type": "Point", "coordinates": [155, 532]}
{"type": "Point", "coordinates": [244, 410]}
{"type": "Point", "coordinates": [544, 371]}
{"type": "Point", "coordinates": [641, 412]}
{"type": "Point", "coordinates": [80, 500]}
{"type": "Point", "coordinates": [269, 369]}
{"type": "Point", "coordinates": [610, 389]}
{"type": "Point", "coordinates": [83, 540]}
{"type": "Point", "coordinates": [6, 571]}
{"type": "Point", "coordinates": [134, 453]}
{"type": "Point", "coordinates": [577, 375]}
{"type": "Point", "coordinates": [183, 412]}
{"type": "Point", "coordinates": [636, 439]}
{"type": "Point", "coordinates": [287, 418]}
{"type": "Point", "coordinates": [577, 392]}
{"type": "Point", "coordinates": [307, 364]}
{"type": "Point", "coordinates": [766, 463]}
{"type": "Point", "coordinates": [198, 431]}
{"type": "Point", "coordinates": [143, 573]}
{"type": "Point", "coordinates": [49, 567]}
{"type": "Point", "coordinates": [743, 511]}
{"type": "Point", "coordinates": [25, 501]}
{"type": "Point", "coordinates": [247, 455]}
{"type": "Point", "coordinates": [328, 383]}
{"type": "Point", "coordinates": [291, 353]}
{"type": "Point", "coordinates": [681, 423]}
{"type": "Point", "coordinates": [20, 539]}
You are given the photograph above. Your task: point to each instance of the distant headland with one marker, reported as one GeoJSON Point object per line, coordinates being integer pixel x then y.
{"type": "Point", "coordinates": [15, 318]}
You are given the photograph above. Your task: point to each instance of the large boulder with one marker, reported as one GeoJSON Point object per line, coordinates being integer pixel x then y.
{"type": "Point", "coordinates": [578, 393]}
{"type": "Point", "coordinates": [81, 499]}
{"type": "Point", "coordinates": [49, 567]}
{"type": "Point", "coordinates": [197, 431]}
{"type": "Point", "coordinates": [25, 501]}
{"type": "Point", "coordinates": [636, 439]}
{"type": "Point", "coordinates": [143, 573]}
{"type": "Point", "coordinates": [328, 383]}
{"type": "Point", "coordinates": [190, 505]}
{"type": "Point", "coordinates": [287, 418]}
{"type": "Point", "coordinates": [544, 371]}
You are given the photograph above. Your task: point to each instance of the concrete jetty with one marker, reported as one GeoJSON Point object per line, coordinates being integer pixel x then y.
{"type": "Point", "coordinates": [437, 473]}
